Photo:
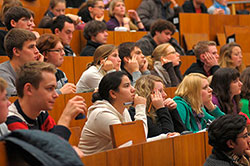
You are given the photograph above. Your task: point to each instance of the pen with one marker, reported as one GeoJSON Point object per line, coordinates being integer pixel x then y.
{"type": "Point", "coordinates": [150, 105]}
{"type": "Point", "coordinates": [128, 103]}
{"type": "Point", "coordinates": [102, 64]}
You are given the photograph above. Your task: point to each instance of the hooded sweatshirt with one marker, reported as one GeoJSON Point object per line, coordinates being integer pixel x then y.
{"type": "Point", "coordinates": [95, 135]}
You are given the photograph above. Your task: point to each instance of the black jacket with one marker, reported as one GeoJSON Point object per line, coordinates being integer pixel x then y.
{"type": "Point", "coordinates": [198, 68]}
{"type": "Point", "coordinates": [166, 121]}
{"type": "Point", "coordinates": [90, 48]}
{"type": "Point", "coordinates": [188, 7]}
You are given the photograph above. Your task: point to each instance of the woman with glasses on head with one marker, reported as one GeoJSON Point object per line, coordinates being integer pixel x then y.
{"type": "Point", "coordinates": [50, 46]}
{"type": "Point", "coordinates": [106, 59]}
{"type": "Point", "coordinates": [194, 102]}
{"type": "Point", "coordinates": [119, 17]}
{"type": "Point", "coordinates": [92, 10]}
{"type": "Point", "coordinates": [165, 63]}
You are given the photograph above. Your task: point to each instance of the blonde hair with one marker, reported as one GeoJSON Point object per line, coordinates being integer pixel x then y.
{"type": "Point", "coordinates": [225, 59]}
{"type": "Point", "coordinates": [190, 90]}
{"type": "Point", "coordinates": [111, 13]}
{"type": "Point", "coordinates": [159, 51]}
{"type": "Point", "coordinates": [144, 87]}
{"type": "Point", "coordinates": [3, 85]}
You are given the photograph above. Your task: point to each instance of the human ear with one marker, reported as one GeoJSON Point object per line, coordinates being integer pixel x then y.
{"type": "Point", "coordinates": [57, 31]}
{"type": "Point", "coordinates": [112, 94]}
{"type": "Point", "coordinates": [231, 144]}
{"type": "Point", "coordinates": [13, 23]}
{"type": "Point", "coordinates": [126, 59]}
{"type": "Point", "coordinates": [28, 89]}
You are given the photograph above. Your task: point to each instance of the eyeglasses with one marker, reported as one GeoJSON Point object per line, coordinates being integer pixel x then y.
{"type": "Point", "coordinates": [100, 7]}
{"type": "Point", "coordinates": [61, 50]}
{"type": "Point", "coordinates": [244, 136]}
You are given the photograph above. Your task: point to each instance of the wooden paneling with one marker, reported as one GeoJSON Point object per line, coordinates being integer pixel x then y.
{"type": "Point", "coordinates": [189, 150]}
{"type": "Point", "coordinates": [4, 58]}
{"type": "Point", "coordinates": [121, 37]}
{"type": "Point", "coordinates": [189, 24]}
{"type": "Point", "coordinates": [68, 68]}
{"type": "Point", "coordinates": [131, 156]}
{"type": "Point", "coordinates": [99, 159]}
{"type": "Point", "coordinates": [80, 65]}
{"type": "Point", "coordinates": [191, 39]}
{"type": "Point", "coordinates": [170, 91]}
{"type": "Point", "coordinates": [243, 39]}
{"type": "Point", "coordinates": [207, 146]}
{"type": "Point", "coordinates": [158, 153]}
{"type": "Point", "coordinates": [186, 62]}
{"type": "Point", "coordinates": [3, 156]}
{"type": "Point", "coordinates": [217, 23]}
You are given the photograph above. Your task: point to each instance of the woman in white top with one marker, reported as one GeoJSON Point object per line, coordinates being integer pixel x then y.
{"type": "Point", "coordinates": [114, 90]}
{"type": "Point", "coordinates": [106, 59]}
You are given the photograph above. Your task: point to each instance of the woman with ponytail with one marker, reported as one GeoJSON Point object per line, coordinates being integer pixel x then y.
{"type": "Point", "coordinates": [109, 107]}
{"type": "Point", "coordinates": [106, 59]}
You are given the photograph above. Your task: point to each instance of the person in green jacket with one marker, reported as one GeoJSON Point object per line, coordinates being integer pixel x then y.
{"type": "Point", "coordinates": [245, 91]}
{"type": "Point", "coordinates": [194, 102]}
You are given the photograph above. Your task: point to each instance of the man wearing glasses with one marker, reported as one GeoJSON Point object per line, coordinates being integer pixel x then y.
{"type": "Point", "coordinates": [230, 140]}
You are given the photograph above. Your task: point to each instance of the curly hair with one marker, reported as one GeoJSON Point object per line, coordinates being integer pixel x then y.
{"type": "Point", "coordinates": [225, 128]}
{"type": "Point", "coordinates": [144, 87]}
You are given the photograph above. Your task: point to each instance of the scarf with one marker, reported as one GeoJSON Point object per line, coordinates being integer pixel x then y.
{"type": "Point", "coordinates": [162, 72]}
{"type": "Point", "coordinates": [218, 5]}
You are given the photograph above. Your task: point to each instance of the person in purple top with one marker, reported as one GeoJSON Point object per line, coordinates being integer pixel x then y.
{"type": "Point", "coordinates": [119, 17]}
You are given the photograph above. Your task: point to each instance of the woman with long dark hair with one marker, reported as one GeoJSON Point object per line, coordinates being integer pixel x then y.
{"type": "Point", "coordinates": [109, 108]}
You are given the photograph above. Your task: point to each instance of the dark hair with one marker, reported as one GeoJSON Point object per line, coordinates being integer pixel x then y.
{"type": "Point", "coordinates": [161, 25]}
{"type": "Point", "coordinates": [245, 79]}
{"type": "Point", "coordinates": [225, 128]}
{"type": "Point", "coordinates": [15, 38]}
{"type": "Point", "coordinates": [92, 28]}
{"type": "Point", "coordinates": [31, 72]}
{"type": "Point", "coordinates": [59, 22]}
{"type": "Point", "coordinates": [220, 84]}
{"type": "Point", "coordinates": [110, 81]}
{"type": "Point", "coordinates": [15, 13]}
{"type": "Point", "coordinates": [124, 50]}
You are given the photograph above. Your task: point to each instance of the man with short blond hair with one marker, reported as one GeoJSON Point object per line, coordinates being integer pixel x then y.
{"type": "Point", "coordinates": [206, 59]}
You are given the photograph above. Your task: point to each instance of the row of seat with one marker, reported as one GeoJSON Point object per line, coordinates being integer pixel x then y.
{"type": "Point", "coordinates": [178, 151]}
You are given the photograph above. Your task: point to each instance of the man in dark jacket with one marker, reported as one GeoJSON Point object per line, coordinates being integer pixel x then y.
{"type": "Point", "coordinates": [194, 6]}
{"type": "Point", "coordinates": [161, 32]}
{"type": "Point", "coordinates": [151, 10]}
{"type": "Point", "coordinates": [230, 140]}
{"type": "Point", "coordinates": [63, 26]}
{"type": "Point", "coordinates": [207, 59]}
{"type": "Point", "coordinates": [96, 34]}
